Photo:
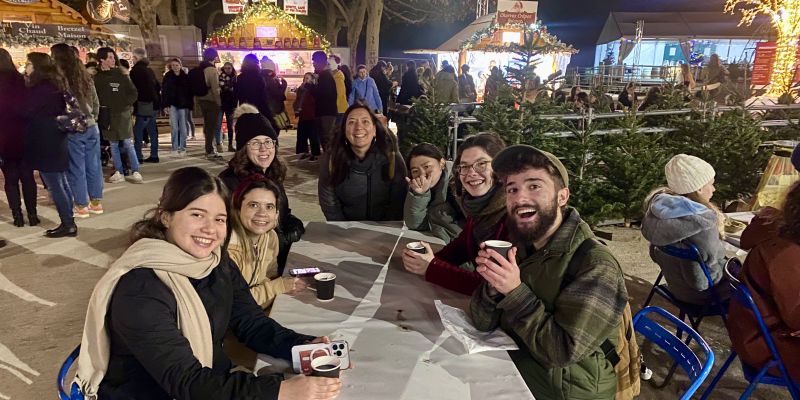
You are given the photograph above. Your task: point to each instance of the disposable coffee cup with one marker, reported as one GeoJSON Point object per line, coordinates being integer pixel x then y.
{"type": "Point", "coordinates": [326, 366]}
{"type": "Point", "coordinates": [417, 247]}
{"type": "Point", "coordinates": [326, 282]}
{"type": "Point", "coordinates": [500, 246]}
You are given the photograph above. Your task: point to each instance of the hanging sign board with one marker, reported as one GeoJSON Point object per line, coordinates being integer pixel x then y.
{"type": "Point", "coordinates": [236, 6]}
{"type": "Point", "coordinates": [103, 11]}
{"type": "Point", "coordinates": [764, 59]}
{"type": "Point", "coordinates": [516, 12]}
{"type": "Point", "coordinates": [21, 2]}
{"type": "Point", "coordinates": [296, 7]}
{"type": "Point", "coordinates": [58, 31]}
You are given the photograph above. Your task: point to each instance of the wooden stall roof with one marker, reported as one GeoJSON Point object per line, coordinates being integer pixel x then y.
{"type": "Point", "coordinates": [46, 12]}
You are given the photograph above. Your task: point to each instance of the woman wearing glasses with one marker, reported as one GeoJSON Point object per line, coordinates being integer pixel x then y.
{"type": "Point", "coordinates": [256, 153]}
{"type": "Point", "coordinates": [483, 201]}
{"type": "Point", "coordinates": [362, 175]}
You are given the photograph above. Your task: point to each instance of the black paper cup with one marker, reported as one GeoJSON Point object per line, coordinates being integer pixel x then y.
{"type": "Point", "coordinates": [326, 366]}
{"type": "Point", "coordinates": [417, 247]}
{"type": "Point", "coordinates": [326, 282]}
{"type": "Point", "coordinates": [500, 246]}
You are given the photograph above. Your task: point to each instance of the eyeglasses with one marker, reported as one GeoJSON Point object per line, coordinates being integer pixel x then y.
{"type": "Point", "coordinates": [479, 166]}
{"type": "Point", "coordinates": [256, 145]}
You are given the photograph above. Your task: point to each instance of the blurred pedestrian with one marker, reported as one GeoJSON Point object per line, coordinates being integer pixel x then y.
{"type": "Point", "coordinates": [177, 96]}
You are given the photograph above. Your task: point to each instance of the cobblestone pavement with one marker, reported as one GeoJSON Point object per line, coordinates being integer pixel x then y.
{"type": "Point", "coordinates": [45, 284]}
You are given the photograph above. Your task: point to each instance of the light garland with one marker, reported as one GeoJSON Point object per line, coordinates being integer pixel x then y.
{"type": "Point", "coordinates": [785, 17]}
{"type": "Point", "coordinates": [270, 11]}
{"type": "Point", "coordinates": [543, 40]}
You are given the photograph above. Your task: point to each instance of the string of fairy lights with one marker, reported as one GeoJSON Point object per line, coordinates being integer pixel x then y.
{"type": "Point", "coordinates": [542, 38]}
{"type": "Point", "coordinates": [268, 11]}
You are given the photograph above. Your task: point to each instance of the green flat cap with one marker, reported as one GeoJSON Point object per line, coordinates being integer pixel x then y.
{"type": "Point", "coordinates": [512, 157]}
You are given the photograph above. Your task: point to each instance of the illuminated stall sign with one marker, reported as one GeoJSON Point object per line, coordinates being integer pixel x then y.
{"type": "Point", "coordinates": [296, 7]}
{"type": "Point", "coordinates": [58, 31]}
{"type": "Point", "coordinates": [516, 12]}
{"type": "Point", "coordinates": [236, 6]}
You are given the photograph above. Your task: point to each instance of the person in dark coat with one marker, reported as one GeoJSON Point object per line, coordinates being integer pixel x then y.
{"type": "Point", "coordinates": [227, 93]}
{"type": "Point", "coordinates": [378, 73]}
{"type": "Point", "coordinates": [147, 103]}
{"type": "Point", "coordinates": [305, 110]}
{"type": "Point", "coordinates": [251, 89]}
{"type": "Point", "coordinates": [156, 320]}
{"type": "Point", "coordinates": [466, 86]}
{"type": "Point", "coordinates": [256, 153]}
{"type": "Point", "coordinates": [177, 96]}
{"type": "Point", "coordinates": [45, 145]}
{"type": "Point", "coordinates": [276, 96]}
{"type": "Point", "coordinates": [325, 97]}
{"type": "Point", "coordinates": [362, 175]}
{"type": "Point", "coordinates": [409, 86]}
{"type": "Point", "coordinates": [16, 169]}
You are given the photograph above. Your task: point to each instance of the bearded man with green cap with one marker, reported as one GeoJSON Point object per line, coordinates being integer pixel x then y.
{"type": "Point", "coordinates": [560, 294]}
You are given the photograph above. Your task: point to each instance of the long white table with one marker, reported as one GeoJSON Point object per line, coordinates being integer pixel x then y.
{"type": "Point", "coordinates": [397, 341]}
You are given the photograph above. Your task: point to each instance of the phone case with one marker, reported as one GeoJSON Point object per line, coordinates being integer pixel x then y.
{"type": "Point", "coordinates": [303, 354]}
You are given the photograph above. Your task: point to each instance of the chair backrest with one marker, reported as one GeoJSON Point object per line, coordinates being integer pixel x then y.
{"type": "Point", "coordinates": [689, 253]}
{"type": "Point", "coordinates": [733, 271]}
{"type": "Point", "coordinates": [62, 376]}
{"type": "Point", "coordinates": [680, 352]}
{"type": "Point", "coordinates": [742, 296]}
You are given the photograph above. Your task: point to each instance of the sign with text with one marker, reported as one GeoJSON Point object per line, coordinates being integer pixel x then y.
{"type": "Point", "coordinates": [516, 12]}
{"type": "Point", "coordinates": [764, 59]}
{"type": "Point", "coordinates": [21, 1]}
{"type": "Point", "coordinates": [296, 7]}
{"type": "Point", "coordinates": [58, 31]}
{"type": "Point", "coordinates": [236, 6]}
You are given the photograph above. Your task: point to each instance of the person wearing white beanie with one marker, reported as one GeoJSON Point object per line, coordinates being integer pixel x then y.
{"type": "Point", "coordinates": [682, 212]}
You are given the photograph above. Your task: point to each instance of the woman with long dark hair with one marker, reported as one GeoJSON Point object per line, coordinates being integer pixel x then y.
{"type": "Point", "coordinates": [378, 73]}
{"type": "Point", "coordinates": [483, 200]}
{"type": "Point", "coordinates": [46, 146]}
{"type": "Point", "coordinates": [85, 171]}
{"type": "Point", "coordinates": [257, 153]}
{"type": "Point", "coordinates": [16, 169]}
{"type": "Point", "coordinates": [362, 175]}
{"type": "Point", "coordinates": [156, 319]}
{"type": "Point", "coordinates": [409, 86]}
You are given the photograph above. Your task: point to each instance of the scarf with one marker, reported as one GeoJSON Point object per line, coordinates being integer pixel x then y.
{"type": "Point", "coordinates": [173, 267]}
{"type": "Point", "coordinates": [487, 212]}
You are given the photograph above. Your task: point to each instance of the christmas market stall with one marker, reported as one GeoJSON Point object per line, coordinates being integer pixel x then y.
{"type": "Point", "coordinates": [264, 29]}
{"type": "Point", "coordinates": [35, 25]}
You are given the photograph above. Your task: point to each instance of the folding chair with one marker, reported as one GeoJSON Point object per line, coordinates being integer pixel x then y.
{"type": "Point", "coordinates": [693, 312]}
{"type": "Point", "coordinates": [754, 376]}
{"type": "Point", "coordinates": [75, 393]}
{"type": "Point", "coordinates": [678, 350]}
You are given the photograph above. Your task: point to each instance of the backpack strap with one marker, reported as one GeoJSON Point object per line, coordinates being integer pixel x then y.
{"type": "Point", "coordinates": [608, 348]}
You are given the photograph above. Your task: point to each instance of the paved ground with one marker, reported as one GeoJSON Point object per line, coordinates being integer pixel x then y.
{"type": "Point", "coordinates": [45, 283]}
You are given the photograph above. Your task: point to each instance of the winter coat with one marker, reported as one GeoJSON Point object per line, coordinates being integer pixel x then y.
{"type": "Point", "coordinates": [227, 92]}
{"type": "Point", "coordinates": [672, 219]}
{"type": "Point", "coordinates": [261, 275]}
{"type": "Point", "coordinates": [12, 117]}
{"type": "Point", "coordinates": [435, 210]}
{"type": "Point", "coordinates": [466, 89]}
{"type": "Point", "coordinates": [91, 106]}
{"type": "Point", "coordinates": [304, 104]}
{"type": "Point", "coordinates": [772, 273]}
{"type": "Point", "coordinates": [409, 88]}
{"type": "Point", "coordinates": [368, 193]}
{"type": "Point", "coordinates": [147, 86]}
{"type": "Point", "coordinates": [445, 87]}
{"type": "Point", "coordinates": [251, 89]}
{"type": "Point", "coordinates": [212, 81]}
{"type": "Point", "coordinates": [365, 90]}
{"type": "Point", "coordinates": [383, 83]}
{"type": "Point", "coordinates": [177, 91]}
{"type": "Point", "coordinates": [276, 91]}
{"type": "Point", "coordinates": [341, 91]}
{"type": "Point", "coordinates": [559, 322]}
{"type": "Point", "coordinates": [325, 94]}
{"type": "Point", "coordinates": [150, 358]}
{"type": "Point", "coordinates": [117, 94]}
{"type": "Point", "coordinates": [45, 144]}
{"type": "Point", "coordinates": [289, 229]}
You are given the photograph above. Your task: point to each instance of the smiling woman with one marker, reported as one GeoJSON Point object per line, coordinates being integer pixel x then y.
{"type": "Point", "coordinates": [156, 319]}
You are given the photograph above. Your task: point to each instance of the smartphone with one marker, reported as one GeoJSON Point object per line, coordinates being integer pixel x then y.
{"type": "Point", "coordinates": [304, 271]}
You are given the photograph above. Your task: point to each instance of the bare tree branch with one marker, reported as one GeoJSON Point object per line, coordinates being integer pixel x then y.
{"type": "Point", "coordinates": [401, 17]}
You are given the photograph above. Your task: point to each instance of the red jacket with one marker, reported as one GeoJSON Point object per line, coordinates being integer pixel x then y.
{"type": "Point", "coordinates": [772, 273]}
{"type": "Point", "coordinates": [443, 270]}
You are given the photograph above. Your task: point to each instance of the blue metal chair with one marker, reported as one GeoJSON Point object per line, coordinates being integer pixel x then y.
{"type": "Point", "coordinates": [75, 393]}
{"type": "Point", "coordinates": [754, 376]}
{"type": "Point", "coordinates": [680, 352]}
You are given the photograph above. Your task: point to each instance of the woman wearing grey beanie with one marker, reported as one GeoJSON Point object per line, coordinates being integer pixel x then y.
{"type": "Point", "coordinates": [682, 211]}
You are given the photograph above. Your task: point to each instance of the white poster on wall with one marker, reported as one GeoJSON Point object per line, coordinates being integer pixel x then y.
{"type": "Point", "coordinates": [296, 7]}
{"type": "Point", "coordinates": [236, 6]}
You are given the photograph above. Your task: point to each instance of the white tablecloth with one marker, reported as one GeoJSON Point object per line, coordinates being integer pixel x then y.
{"type": "Point", "coordinates": [398, 344]}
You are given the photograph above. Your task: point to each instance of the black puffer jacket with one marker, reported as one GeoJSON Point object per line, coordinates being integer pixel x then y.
{"type": "Point", "coordinates": [177, 91]}
{"type": "Point", "coordinates": [366, 194]}
{"type": "Point", "coordinates": [147, 85]}
{"type": "Point", "coordinates": [45, 144]}
{"type": "Point", "coordinates": [251, 88]}
{"type": "Point", "coordinates": [290, 228]}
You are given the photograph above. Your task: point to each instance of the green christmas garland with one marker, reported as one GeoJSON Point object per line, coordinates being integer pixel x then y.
{"type": "Point", "coordinates": [549, 42]}
{"type": "Point", "coordinates": [7, 40]}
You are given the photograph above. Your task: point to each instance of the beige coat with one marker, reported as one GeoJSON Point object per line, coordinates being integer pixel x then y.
{"type": "Point", "coordinates": [262, 275]}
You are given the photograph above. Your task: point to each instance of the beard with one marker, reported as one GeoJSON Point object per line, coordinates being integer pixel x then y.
{"type": "Point", "coordinates": [529, 232]}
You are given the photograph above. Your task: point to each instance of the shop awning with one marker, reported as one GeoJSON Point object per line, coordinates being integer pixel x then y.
{"type": "Point", "coordinates": [453, 45]}
{"type": "Point", "coordinates": [680, 25]}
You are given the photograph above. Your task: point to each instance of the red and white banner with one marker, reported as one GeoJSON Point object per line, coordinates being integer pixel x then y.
{"type": "Point", "coordinates": [236, 6]}
{"type": "Point", "coordinates": [763, 63]}
{"type": "Point", "coordinates": [296, 7]}
{"type": "Point", "coordinates": [516, 11]}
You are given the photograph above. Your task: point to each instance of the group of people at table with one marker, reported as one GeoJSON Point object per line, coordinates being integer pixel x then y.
{"type": "Point", "coordinates": [209, 259]}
